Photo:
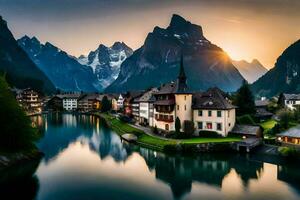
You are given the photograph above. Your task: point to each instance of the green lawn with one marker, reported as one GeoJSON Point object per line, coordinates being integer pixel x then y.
{"type": "Point", "coordinates": [269, 124]}
{"type": "Point", "coordinates": [156, 142]}
{"type": "Point", "coordinates": [210, 140]}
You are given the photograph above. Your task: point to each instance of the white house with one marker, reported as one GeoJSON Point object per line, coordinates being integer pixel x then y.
{"type": "Point", "coordinates": [120, 102]}
{"type": "Point", "coordinates": [146, 109]}
{"type": "Point", "coordinates": [291, 100]}
{"type": "Point", "coordinates": [69, 101]}
{"type": "Point", "coordinates": [213, 112]}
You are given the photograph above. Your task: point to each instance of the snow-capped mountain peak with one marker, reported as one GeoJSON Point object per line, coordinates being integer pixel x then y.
{"type": "Point", "coordinates": [106, 61]}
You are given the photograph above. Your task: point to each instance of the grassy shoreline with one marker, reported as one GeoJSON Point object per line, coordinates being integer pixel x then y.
{"type": "Point", "coordinates": [158, 143]}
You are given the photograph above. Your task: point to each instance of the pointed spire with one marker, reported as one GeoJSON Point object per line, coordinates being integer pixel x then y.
{"type": "Point", "coordinates": [181, 80]}
{"type": "Point", "coordinates": [181, 69]}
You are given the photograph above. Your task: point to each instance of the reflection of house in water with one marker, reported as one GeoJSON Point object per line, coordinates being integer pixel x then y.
{"type": "Point", "coordinates": [290, 175]}
{"type": "Point", "coordinates": [181, 171]}
{"type": "Point", "coordinates": [246, 169]}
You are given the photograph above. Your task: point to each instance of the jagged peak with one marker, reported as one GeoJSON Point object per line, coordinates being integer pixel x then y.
{"type": "Point", "coordinates": [178, 20]}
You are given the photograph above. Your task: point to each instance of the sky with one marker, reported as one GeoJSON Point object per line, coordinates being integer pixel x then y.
{"type": "Point", "coordinates": [245, 29]}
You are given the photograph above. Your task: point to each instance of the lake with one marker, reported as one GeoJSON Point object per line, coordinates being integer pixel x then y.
{"type": "Point", "coordinates": [86, 160]}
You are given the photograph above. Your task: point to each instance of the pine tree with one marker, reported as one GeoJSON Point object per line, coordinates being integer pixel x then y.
{"type": "Point", "coordinates": [177, 125]}
{"type": "Point", "coordinates": [16, 132]}
{"type": "Point", "coordinates": [106, 105]}
{"type": "Point", "coordinates": [244, 100]}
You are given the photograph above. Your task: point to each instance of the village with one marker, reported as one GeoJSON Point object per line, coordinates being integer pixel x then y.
{"type": "Point", "coordinates": [173, 111]}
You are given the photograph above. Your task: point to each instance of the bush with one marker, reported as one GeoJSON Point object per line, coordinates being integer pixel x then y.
{"type": "Point", "coordinates": [155, 130]}
{"type": "Point", "coordinates": [188, 128]}
{"type": "Point", "coordinates": [209, 134]}
{"type": "Point", "coordinates": [289, 152]}
{"type": "Point", "coordinates": [245, 119]}
{"type": "Point", "coordinates": [285, 117]}
{"type": "Point", "coordinates": [177, 125]}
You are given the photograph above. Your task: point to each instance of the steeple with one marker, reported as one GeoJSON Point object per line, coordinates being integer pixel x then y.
{"type": "Point", "coordinates": [181, 79]}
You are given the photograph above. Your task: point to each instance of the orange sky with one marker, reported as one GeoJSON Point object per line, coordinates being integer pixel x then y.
{"type": "Point", "coordinates": [245, 29]}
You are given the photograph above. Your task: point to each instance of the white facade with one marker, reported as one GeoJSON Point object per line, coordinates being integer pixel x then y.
{"type": "Point", "coordinates": [120, 102]}
{"type": "Point", "coordinates": [291, 103]}
{"type": "Point", "coordinates": [220, 121]}
{"type": "Point", "coordinates": [70, 104]}
{"type": "Point", "coordinates": [183, 108]}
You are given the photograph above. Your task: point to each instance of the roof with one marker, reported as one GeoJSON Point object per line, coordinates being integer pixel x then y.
{"type": "Point", "coordinates": [292, 96]}
{"type": "Point", "coordinates": [292, 132]}
{"type": "Point", "coordinates": [69, 96]}
{"type": "Point", "coordinates": [93, 96]}
{"type": "Point", "coordinates": [245, 129]}
{"type": "Point", "coordinates": [213, 98]}
{"type": "Point", "coordinates": [147, 96]}
{"type": "Point", "coordinates": [260, 103]}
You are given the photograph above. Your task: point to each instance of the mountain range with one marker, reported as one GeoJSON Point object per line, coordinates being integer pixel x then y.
{"type": "Point", "coordinates": [62, 69]}
{"type": "Point", "coordinates": [18, 68]}
{"type": "Point", "coordinates": [284, 77]}
{"type": "Point", "coordinates": [251, 71]}
{"type": "Point", "coordinates": [106, 61]}
{"type": "Point", "coordinates": [157, 61]}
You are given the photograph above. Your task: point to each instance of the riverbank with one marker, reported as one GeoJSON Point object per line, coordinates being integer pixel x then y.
{"type": "Point", "coordinates": [165, 144]}
{"type": "Point", "coordinates": [9, 159]}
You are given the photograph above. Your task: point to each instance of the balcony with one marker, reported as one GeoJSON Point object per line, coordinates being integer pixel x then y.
{"type": "Point", "coordinates": [165, 118]}
{"type": "Point", "coordinates": [166, 102]}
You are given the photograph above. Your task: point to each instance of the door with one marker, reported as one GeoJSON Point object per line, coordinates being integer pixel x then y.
{"type": "Point", "coordinates": [167, 127]}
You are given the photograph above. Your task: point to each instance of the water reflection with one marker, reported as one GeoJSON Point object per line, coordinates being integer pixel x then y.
{"type": "Point", "coordinates": [83, 158]}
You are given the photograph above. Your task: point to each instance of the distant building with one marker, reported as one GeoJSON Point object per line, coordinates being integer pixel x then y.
{"type": "Point", "coordinates": [261, 107]}
{"type": "Point", "coordinates": [120, 102]}
{"type": "Point", "coordinates": [290, 137]}
{"type": "Point", "coordinates": [129, 101]}
{"type": "Point", "coordinates": [291, 100]}
{"type": "Point", "coordinates": [89, 102]}
{"type": "Point", "coordinates": [146, 107]}
{"type": "Point", "coordinates": [30, 100]}
{"type": "Point", "coordinates": [55, 103]}
{"type": "Point", "coordinates": [69, 101]}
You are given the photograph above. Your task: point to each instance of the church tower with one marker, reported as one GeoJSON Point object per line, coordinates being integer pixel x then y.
{"type": "Point", "coordinates": [183, 97]}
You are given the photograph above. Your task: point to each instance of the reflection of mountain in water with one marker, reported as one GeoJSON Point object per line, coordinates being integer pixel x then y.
{"type": "Point", "coordinates": [18, 182]}
{"type": "Point", "coordinates": [181, 171]}
{"type": "Point", "coordinates": [62, 130]}
{"type": "Point", "coordinates": [291, 175]}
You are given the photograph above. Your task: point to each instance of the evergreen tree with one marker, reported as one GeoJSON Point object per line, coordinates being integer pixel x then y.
{"type": "Point", "coordinates": [280, 101]}
{"type": "Point", "coordinates": [106, 105]}
{"type": "Point", "coordinates": [177, 125]}
{"type": "Point", "coordinates": [244, 100]}
{"type": "Point", "coordinates": [16, 132]}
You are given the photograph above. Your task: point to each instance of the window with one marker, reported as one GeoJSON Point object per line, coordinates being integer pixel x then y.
{"type": "Point", "coordinates": [219, 113]}
{"type": "Point", "coordinates": [200, 125]}
{"type": "Point", "coordinates": [219, 126]}
{"type": "Point", "coordinates": [177, 107]}
{"type": "Point", "coordinates": [208, 125]}
{"type": "Point", "coordinates": [200, 114]}
{"type": "Point", "coordinates": [185, 98]}
{"type": "Point", "coordinates": [209, 113]}
{"type": "Point", "coordinates": [228, 113]}
{"type": "Point", "coordinates": [229, 124]}
{"type": "Point", "coordinates": [184, 107]}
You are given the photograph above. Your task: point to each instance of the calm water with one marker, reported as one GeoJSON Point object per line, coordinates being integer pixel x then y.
{"type": "Point", "coordinates": [85, 160]}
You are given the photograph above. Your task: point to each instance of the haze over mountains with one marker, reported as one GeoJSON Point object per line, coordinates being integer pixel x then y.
{"type": "Point", "coordinates": [251, 71]}
{"type": "Point", "coordinates": [19, 70]}
{"type": "Point", "coordinates": [157, 61]}
{"type": "Point", "coordinates": [284, 77]}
